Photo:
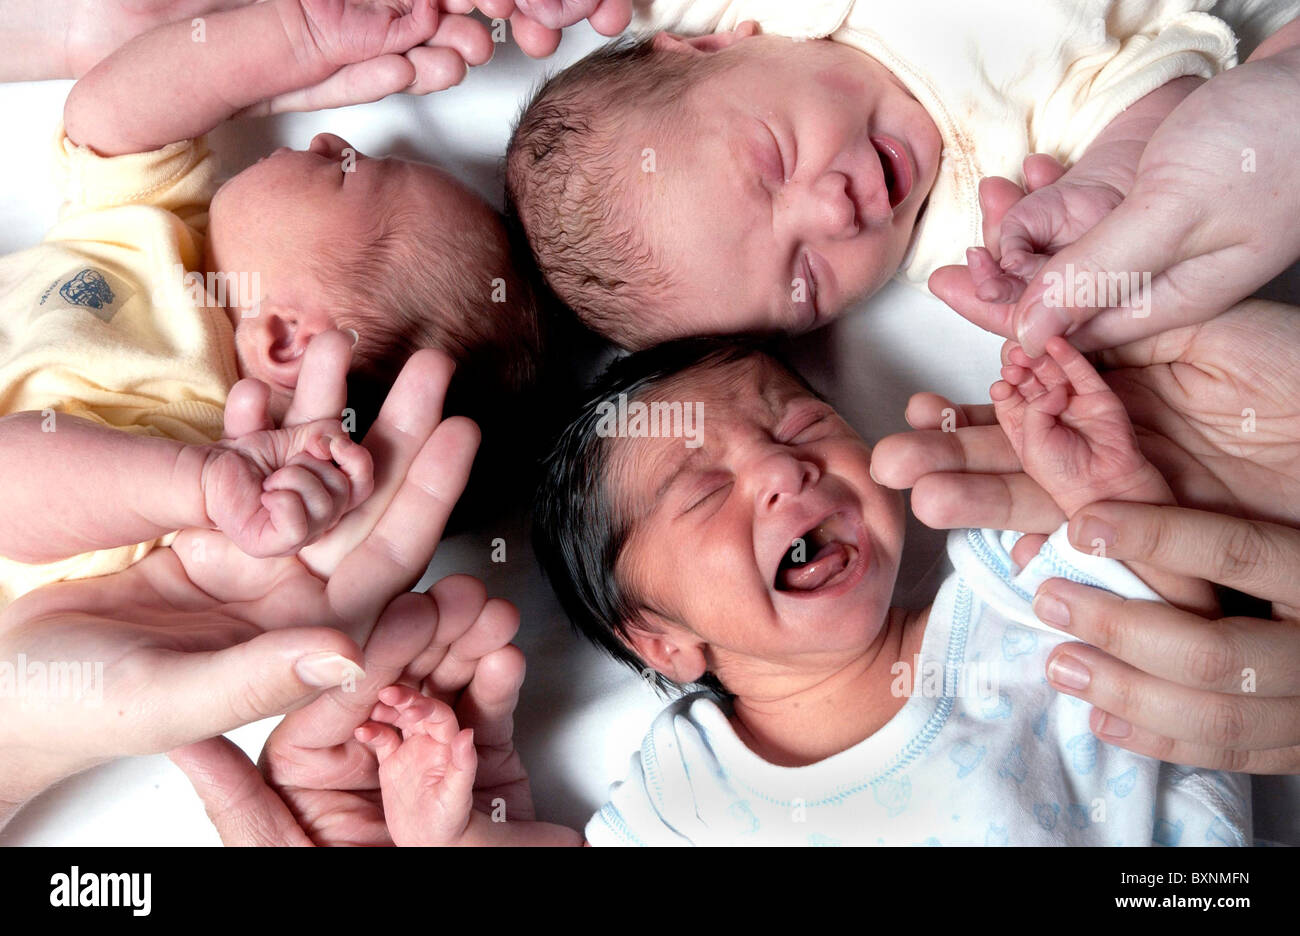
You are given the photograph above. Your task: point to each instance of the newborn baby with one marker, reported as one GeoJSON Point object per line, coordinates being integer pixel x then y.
{"type": "Point", "coordinates": [125, 329]}
{"type": "Point", "coordinates": [762, 563]}
{"type": "Point", "coordinates": [729, 181]}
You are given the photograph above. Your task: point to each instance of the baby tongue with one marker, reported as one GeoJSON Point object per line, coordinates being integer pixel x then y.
{"type": "Point", "coordinates": [829, 562]}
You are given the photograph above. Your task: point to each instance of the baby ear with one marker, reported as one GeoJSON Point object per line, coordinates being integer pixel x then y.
{"type": "Point", "coordinates": [667, 648]}
{"type": "Point", "coordinates": [274, 341]}
{"type": "Point", "coordinates": [715, 42]}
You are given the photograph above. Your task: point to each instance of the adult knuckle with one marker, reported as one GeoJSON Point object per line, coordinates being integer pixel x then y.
{"type": "Point", "coordinates": [1242, 550]}
{"type": "Point", "coordinates": [1224, 724]}
{"type": "Point", "coordinates": [1209, 661]}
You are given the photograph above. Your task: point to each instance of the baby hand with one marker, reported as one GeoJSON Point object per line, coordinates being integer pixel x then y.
{"type": "Point", "coordinates": [275, 491]}
{"type": "Point", "coordinates": [345, 32]}
{"type": "Point", "coordinates": [426, 773]}
{"type": "Point", "coordinates": [1071, 432]}
{"type": "Point", "coordinates": [1059, 209]}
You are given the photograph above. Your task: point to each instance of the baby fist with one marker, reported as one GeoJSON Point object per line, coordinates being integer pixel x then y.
{"type": "Point", "coordinates": [276, 491]}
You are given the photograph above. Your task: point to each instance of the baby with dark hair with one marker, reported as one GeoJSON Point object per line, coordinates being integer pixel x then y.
{"type": "Point", "coordinates": [761, 563]}
{"type": "Point", "coordinates": [753, 166]}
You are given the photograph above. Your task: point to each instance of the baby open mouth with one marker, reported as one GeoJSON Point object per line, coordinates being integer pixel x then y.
{"type": "Point", "coordinates": [893, 162]}
{"type": "Point", "coordinates": [818, 558]}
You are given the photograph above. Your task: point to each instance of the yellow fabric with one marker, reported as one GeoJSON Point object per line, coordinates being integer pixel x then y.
{"type": "Point", "coordinates": [99, 320]}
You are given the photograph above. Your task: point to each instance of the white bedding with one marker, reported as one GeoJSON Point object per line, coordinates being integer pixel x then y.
{"type": "Point", "coordinates": [581, 715]}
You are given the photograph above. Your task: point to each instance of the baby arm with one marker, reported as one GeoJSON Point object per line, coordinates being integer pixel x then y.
{"type": "Point", "coordinates": [75, 486]}
{"type": "Point", "coordinates": [427, 768]}
{"type": "Point", "coordinates": [198, 77]}
{"type": "Point", "coordinates": [1074, 438]}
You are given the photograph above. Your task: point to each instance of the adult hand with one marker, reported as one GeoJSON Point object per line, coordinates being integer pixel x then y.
{"type": "Point", "coordinates": [318, 784]}
{"type": "Point", "coordinates": [1210, 217]}
{"type": "Point", "coordinates": [1216, 407]}
{"type": "Point", "coordinates": [459, 42]}
{"type": "Point", "coordinates": [536, 24]}
{"type": "Point", "coordinates": [1223, 694]}
{"type": "Point", "coordinates": [201, 638]}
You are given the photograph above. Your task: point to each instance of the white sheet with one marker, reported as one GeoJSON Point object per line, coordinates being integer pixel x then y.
{"type": "Point", "coordinates": [581, 715]}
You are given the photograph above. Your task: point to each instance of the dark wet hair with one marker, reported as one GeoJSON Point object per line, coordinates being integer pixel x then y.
{"type": "Point", "coordinates": [579, 531]}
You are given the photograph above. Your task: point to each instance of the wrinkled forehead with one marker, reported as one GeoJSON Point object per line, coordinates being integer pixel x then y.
{"type": "Point", "coordinates": [691, 416]}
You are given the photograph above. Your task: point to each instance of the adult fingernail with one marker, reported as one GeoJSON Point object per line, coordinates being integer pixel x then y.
{"type": "Point", "coordinates": [1041, 323]}
{"type": "Point", "coordinates": [327, 669]}
{"type": "Point", "coordinates": [1094, 535]}
{"type": "Point", "coordinates": [1051, 610]}
{"type": "Point", "coordinates": [1068, 672]}
{"type": "Point", "coordinates": [1113, 727]}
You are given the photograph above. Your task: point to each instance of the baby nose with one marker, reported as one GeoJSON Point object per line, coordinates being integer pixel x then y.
{"type": "Point", "coordinates": [824, 208]}
{"type": "Point", "coordinates": [327, 144]}
{"type": "Point", "coordinates": [780, 476]}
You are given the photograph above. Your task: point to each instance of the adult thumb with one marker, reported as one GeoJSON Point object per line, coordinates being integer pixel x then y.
{"type": "Point", "coordinates": [242, 806]}
{"type": "Point", "coordinates": [208, 693]}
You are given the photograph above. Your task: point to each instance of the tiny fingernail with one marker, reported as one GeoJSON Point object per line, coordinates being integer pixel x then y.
{"type": "Point", "coordinates": [1051, 610]}
{"type": "Point", "coordinates": [1068, 672]}
{"type": "Point", "coordinates": [1094, 533]}
{"type": "Point", "coordinates": [1113, 727]}
{"type": "Point", "coordinates": [327, 669]}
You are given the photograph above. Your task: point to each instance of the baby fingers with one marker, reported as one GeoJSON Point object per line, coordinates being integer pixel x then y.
{"type": "Point", "coordinates": [383, 740]}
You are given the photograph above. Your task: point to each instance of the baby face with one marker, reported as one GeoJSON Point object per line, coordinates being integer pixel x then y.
{"type": "Point", "coordinates": [767, 548]}
{"type": "Point", "coordinates": [789, 188]}
{"type": "Point", "coordinates": [282, 215]}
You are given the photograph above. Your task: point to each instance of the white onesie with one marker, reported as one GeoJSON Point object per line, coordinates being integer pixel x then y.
{"type": "Point", "coordinates": [1001, 78]}
{"type": "Point", "coordinates": [984, 751]}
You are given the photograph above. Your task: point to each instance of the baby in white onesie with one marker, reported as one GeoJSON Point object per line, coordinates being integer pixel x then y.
{"type": "Point", "coordinates": [755, 555]}
{"type": "Point", "coordinates": [768, 164]}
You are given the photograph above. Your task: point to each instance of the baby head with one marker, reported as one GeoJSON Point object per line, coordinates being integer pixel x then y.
{"type": "Point", "coordinates": [722, 184]}
{"type": "Point", "coordinates": [751, 549]}
{"type": "Point", "coordinates": [397, 252]}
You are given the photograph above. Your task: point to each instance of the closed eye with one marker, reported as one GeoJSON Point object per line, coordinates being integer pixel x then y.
{"type": "Point", "coordinates": [808, 425]}
{"type": "Point", "coordinates": [706, 495]}
{"type": "Point", "coordinates": [780, 155]}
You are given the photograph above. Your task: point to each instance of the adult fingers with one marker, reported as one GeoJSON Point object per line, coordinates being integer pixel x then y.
{"type": "Point", "coordinates": [401, 633]}
{"type": "Point", "coordinates": [1041, 170]}
{"type": "Point", "coordinates": [358, 83]}
{"type": "Point", "coordinates": [957, 288]}
{"type": "Point", "coordinates": [247, 409]}
{"type": "Point", "coordinates": [494, 627]}
{"type": "Point", "coordinates": [1014, 501]}
{"type": "Point", "coordinates": [536, 40]}
{"type": "Point", "coordinates": [201, 694]}
{"type": "Point", "coordinates": [997, 196]}
{"type": "Point", "coordinates": [436, 69]}
{"type": "Point", "coordinates": [1235, 656]}
{"type": "Point", "coordinates": [611, 17]}
{"type": "Point", "coordinates": [236, 797]}
{"type": "Point", "coordinates": [395, 553]}
{"type": "Point", "coordinates": [469, 37]}
{"type": "Point", "coordinates": [322, 388]}
{"type": "Point", "coordinates": [1258, 558]}
{"type": "Point", "coordinates": [1195, 716]}
{"type": "Point", "coordinates": [898, 460]}
{"type": "Point", "coordinates": [1139, 740]}
{"type": "Point", "coordinates": [1138, 239]}
{"type": "Point", "coordinates": [408, 417]}
{"type": "Point", "coordinates": [932, 411]}
{"type": "Point", "coordinates": [488, 703]}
